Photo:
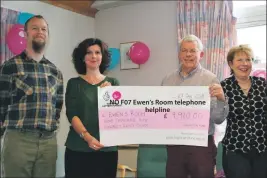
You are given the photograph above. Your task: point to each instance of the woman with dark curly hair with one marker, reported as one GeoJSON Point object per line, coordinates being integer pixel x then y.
{"type": "Point", "coordinates": [85, 156]}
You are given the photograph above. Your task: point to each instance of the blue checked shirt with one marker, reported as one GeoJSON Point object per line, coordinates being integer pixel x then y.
{"type": "Point", "coordinates": [31, 94]}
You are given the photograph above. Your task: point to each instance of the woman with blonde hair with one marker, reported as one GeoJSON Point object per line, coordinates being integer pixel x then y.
{"type": "Point", "coordinates": [245, 140]}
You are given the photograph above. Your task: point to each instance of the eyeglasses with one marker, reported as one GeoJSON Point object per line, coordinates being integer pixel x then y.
{"type": "Point", "coordinates": [191, 51]}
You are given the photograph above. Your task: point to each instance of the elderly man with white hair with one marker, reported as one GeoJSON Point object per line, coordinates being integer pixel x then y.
{"type": "Point", "coordinates": [195, 161]}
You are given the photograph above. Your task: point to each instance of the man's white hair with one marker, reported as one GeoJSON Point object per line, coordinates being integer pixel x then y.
{"type": "Point", "coordinates": [193, 38]}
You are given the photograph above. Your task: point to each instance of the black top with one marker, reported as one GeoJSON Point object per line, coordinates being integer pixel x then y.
{"type": "Point", "coordinates": [246, 121]}
{"type": "Point", "coordinates": [81, 101]}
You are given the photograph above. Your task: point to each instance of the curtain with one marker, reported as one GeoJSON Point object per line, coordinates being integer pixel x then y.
{"type": "Point", "coordinates": [8, 19]}
{"type": "Point", "coordinates": [214, 24]}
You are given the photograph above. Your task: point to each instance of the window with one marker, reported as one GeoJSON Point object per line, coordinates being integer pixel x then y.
{"type": "Point", "coordinates": [244, 4]}
{"type": "Point", "coordinates": [251, 26]}
{"type": "Point", "coordinates": [256, 38]}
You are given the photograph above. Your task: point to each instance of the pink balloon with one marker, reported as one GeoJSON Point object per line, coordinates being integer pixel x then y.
{"type": "Point", "coordinates": [139, 53]}
{"type": "Point", "coordinates": [15, 39]}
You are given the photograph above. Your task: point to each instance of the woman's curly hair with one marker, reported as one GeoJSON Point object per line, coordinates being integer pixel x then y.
{"type": "Point", "coordinates": [81, 50]}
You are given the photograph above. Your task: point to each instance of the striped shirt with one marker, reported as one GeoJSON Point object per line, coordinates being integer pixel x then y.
{"type": "Point", "coordinates": [200, 77]}
{"type": "Point", "coordinates": [31, 94]}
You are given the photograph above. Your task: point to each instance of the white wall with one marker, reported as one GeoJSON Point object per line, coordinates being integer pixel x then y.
{"type": "Point", "coordinates": [67, 29]}
{"type": "Point", "coordinates": [152, 22]}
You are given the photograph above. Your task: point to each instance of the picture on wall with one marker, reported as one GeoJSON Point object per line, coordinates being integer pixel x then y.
{"type": "Point", "coordinates": [126, 62]}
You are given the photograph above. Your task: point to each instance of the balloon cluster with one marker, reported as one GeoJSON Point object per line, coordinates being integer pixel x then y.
{"type": "Point", "coordinates": [15, 38]}
{"type": "Point", "coordinates": [138, 53]}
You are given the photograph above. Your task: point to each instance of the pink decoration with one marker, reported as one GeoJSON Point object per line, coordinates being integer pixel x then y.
{"type": "Point", "coordinates": [116, 95]}
{"type": "Point", "coordinates": [15, 39]}
{"type": "Point", "coordinates": [139, 53]}
{"type": "Point", "coordinates": [259, 73]}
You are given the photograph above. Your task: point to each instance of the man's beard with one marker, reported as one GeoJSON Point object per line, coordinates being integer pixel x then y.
{"type": "Point", "coordinates": [38, 46]}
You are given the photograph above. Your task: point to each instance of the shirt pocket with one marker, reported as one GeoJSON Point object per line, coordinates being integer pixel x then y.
{"type": "Point", "coordinates": [22, 87]}
{"type": "Point", "coordinates": [52, 83]}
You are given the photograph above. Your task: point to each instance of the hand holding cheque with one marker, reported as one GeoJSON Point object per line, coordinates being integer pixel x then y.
{"type": "Point", "coordinates": [93, 142]}
{"type": "Point", "coordinates": [217, 91]}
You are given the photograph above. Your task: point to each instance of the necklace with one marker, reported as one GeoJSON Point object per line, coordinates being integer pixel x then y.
{"type": "Point", "coordinates": [247, 82]}
{"type": "Point", "coordinates": [93, 81]}
{"type": "Point", "coordinates": [244, 88]}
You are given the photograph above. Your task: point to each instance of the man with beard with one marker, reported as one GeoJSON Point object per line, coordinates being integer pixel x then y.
{"type": "Point", "coordinates": [31, 98]}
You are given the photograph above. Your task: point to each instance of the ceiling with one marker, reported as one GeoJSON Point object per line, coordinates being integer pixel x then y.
{"type": "Point", "coordinates": [88, 7]}
{"type": "Point", "coordinates": [81, 7]}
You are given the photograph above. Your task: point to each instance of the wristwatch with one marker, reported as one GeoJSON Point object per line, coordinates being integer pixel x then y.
{"type": "Point", "coordinates": [83, 133]}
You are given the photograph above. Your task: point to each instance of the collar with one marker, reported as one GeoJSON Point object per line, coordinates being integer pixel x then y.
{"type": "Point", "coordinates": [233, 78]}
{"type": "Point", "coordinates": [199, 67]}
{"type": "Point", "coordinates": [24, 56]}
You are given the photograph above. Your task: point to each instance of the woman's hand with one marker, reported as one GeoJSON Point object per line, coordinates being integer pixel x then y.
{"type": "Point", "coordinates": [93, 143]}
{"type": "Point", "coordinates": [105, 84]}
{"type": "Point", "coordinates": [217, 91]}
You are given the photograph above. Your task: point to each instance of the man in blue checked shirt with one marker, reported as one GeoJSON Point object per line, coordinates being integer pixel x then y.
{"type": "Point", "coordinates": [31, 98]}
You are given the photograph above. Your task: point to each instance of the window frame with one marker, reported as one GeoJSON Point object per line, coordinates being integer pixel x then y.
{"type": "Point", "coordinates": [250, 16]}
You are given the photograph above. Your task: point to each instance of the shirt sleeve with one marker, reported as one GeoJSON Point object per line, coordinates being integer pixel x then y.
{"type": "Point", "coordinates": [265, 89]}
{"type": "Point", "coordinates": [116, 82]}
{"type": "Point", "coordinates": [60, 96]}
{"type": "Point", "coordinates": [71, 100]}
{"type": "Point", "coordinates": [5, 92]}
{"type": "Point", "coordinates": [218, 109]}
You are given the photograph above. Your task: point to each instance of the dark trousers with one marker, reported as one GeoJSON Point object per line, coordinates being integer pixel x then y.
{"type": "Point", "coordinates": [245, 165]}
{"type": "Point", "coordinates": [194, 161]}
{"type": "Point", "coordinates": [90, 164]}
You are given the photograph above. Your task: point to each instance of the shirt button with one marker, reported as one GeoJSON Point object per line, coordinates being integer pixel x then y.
{"type": "Point", "coordinates": [29, 92]}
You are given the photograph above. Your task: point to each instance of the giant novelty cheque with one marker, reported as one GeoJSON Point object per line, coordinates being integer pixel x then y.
{"type": "Point", "coordinates": [167, 115]}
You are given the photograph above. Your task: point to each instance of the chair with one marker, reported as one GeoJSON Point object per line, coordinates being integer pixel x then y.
{"type": "Point", "coordinates": [124, 168]}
